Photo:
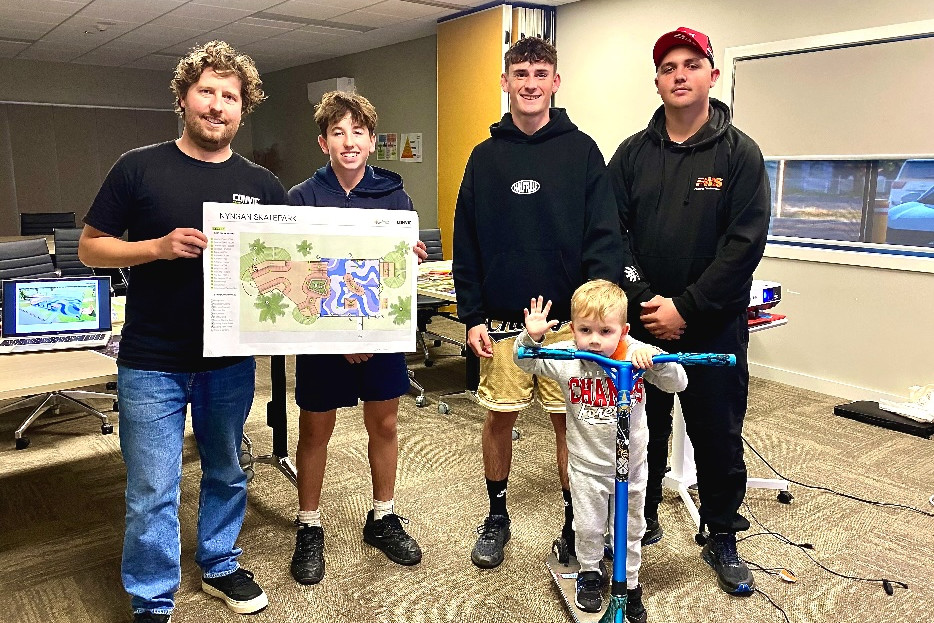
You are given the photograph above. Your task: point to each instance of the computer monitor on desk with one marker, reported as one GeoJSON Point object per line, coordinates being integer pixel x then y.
{"type": "Point", "coordinates": [55, 313]}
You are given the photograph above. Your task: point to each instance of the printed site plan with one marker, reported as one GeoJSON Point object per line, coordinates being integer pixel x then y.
{"type": "Point", "coordinates": [300, 279]}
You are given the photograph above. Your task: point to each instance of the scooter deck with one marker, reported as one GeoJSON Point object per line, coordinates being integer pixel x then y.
{"type": "Point", "coordinates": [565, 579]}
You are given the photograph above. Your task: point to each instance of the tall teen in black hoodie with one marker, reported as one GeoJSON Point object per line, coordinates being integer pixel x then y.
{"type": "Point", "coordinates": [535, 216]}
{"type": "Point", "coordinates": [693, 198]}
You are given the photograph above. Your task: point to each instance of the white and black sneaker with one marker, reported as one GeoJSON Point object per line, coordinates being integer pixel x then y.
{"type": "Point", "coordinates": [151, 617]}
{"type": "Point", "coordinates": [238, 590]}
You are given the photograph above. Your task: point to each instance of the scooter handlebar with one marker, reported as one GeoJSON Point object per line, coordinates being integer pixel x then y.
{"type": "Point", "coordinates": [685, 359]}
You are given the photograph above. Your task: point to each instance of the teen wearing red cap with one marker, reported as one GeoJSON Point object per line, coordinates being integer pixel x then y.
{"type": "Point", "coordinates": [693, 198]}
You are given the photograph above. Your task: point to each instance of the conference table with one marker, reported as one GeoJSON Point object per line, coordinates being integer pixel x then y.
{"type": "Point", "coordinates": [23, 375]}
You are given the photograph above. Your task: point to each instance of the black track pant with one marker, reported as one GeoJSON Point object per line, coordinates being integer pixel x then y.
{"type": "Point", "coordinates": [713, 405]}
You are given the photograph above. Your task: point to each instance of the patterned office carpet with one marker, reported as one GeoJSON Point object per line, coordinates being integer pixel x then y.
{"type": "Point", "coordinates": [61, 514]}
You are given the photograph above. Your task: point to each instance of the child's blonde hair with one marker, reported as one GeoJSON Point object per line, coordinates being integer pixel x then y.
{"type": "Point", "coordinates": [599, 299]}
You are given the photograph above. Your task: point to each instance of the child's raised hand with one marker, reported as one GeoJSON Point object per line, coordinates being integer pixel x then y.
{"type": "Point", "coordinates": [641, 358]}
{"type": "Point", "coordinates": [536, 318]}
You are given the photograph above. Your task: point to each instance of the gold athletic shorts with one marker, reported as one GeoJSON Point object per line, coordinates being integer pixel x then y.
{"type": "Point", "coordinates": [503, 385]}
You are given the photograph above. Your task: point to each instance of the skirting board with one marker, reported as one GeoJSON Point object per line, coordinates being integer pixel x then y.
{"type": "Point", "coordinates": [820, 385]}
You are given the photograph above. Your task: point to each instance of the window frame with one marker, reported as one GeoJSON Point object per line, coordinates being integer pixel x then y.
{"type": "Point", "coordinates": [876, 255]}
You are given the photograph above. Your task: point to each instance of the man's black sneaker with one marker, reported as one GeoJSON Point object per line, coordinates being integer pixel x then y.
{"type": "Point", "coordinates": [733, 576]}
{"type": "Point", "coordinates": [388, 536]}
{"type": "Point", "coordinates": [238, 590]}
{"type": "Point", "coordinates": [635, 611]}
{"type": "Point", "coordinates": [588, 595]}
{"type": "Point", "coordinates": [151, 617]}
{"type": "Point", "coordinates": [308, 559]}
{"type": "Point", "coordinates": [494, 534]}
{"type": "Point", "coordinates": [653, 532]}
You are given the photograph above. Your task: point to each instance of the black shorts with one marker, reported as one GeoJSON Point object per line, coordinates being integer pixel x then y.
{"type": "Point", "coordinates": [325, 382]}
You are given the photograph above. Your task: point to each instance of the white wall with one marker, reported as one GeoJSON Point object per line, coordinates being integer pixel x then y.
{"type": "Point", "coordinates": [853, 332]}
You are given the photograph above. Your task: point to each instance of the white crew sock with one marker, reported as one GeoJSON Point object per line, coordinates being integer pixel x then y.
{"type": "Point", "coordinates": [381, 509]}
{"type": "Point", "coordinates": [310, 518]}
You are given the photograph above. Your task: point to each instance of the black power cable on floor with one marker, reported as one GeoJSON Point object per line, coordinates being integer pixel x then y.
{"type": "Point", "coordinates": [888, 585]}
{"type": "Point", "coordinates": [841, 494]}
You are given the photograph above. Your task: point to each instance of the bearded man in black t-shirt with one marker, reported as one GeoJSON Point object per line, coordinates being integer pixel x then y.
{"type": "Point", "coordinates": [154, 195]}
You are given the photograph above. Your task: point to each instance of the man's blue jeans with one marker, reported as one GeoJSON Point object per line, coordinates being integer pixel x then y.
{"type": "Point", "coordinates": [152, 428]}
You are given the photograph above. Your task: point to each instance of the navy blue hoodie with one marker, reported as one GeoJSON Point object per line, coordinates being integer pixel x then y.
{"type": "Point", "coordinates": [535, 216]}
{"type": "Point", "coordinates": [379, 188]}
{"type": "Point", "coordinates": [696, 215]}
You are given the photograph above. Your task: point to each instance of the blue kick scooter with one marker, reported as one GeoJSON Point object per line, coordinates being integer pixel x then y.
{"type": "Point", "coordinates": [624, 377]}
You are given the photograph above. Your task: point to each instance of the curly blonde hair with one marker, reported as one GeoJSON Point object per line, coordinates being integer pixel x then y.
{"type": "Point", "coordinates": [335, 105]}
{"type": "Point", "coordinates": [224, 60]}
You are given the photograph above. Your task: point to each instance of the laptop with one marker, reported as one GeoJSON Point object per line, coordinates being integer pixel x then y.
{"type": "Point", "coordinates": [55, 313]}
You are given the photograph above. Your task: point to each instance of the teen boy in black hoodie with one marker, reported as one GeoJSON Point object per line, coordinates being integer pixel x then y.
{"type": "Point", "coordinates": [534, 216]}
{"type": "Point", "coordinates": [693, 197]}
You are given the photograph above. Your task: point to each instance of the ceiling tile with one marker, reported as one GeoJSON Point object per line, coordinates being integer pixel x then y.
{"type": "Point", "coordinates": [375, 20]}
{"type": "Point", "coordinates": [128, 10]}
{"type": "Point", "coordinates": [300, 8]}
{"type": "Point", "coordinates": [9, 49]}
{"type": "Point", "coordinates": [213, 13]}
{"type": "Point", "coordinates": [50, 55]}
{"type": "Point", "coordinates": [404, 9]}
{"type": "Point", "coordinates": [247, 5]}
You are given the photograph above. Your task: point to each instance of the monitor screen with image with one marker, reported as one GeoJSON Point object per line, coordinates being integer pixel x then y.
{"type": "Point", "coordinates": [56, 305]}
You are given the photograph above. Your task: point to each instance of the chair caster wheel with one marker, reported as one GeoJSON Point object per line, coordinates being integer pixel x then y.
{"type": "Point", "coordinates": [111, 386]}
{"type": "Point", "coordinates": [250, 473]}
{"type": "Point", "coordinates": [116, 408]}
{"type": "Point", "coordinates": [560, 549]}
{"type": "Point", "coordinates": [420, 401]}
{"type": "Point", "coordinates": [785, 497]}
{"type": "Point", "coordinates": [436, 343]}
{"type": "Point", "coordinates": [107, 429]}
{"type": "Point", "coordinates": [443, 408]}
{"type": "Point", "coordinates": [22, 443]}
{"type": "Point", "coordinates": [516, 434]}
{"type": "Point", "coordinates": [429, 363]}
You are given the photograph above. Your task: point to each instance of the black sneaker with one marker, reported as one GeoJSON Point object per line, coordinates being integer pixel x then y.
{"type": "Point", "coordinates": [653, 532]}
{"type": "Point", "coordinates": [590, 586]}
{"type": "Point", "coordinates": [635, 611]}
{"type": "Point", "coordinates": [733, 576]}
{"type": "Point", "coordinates": [494, 534]}
{"type": "Point", "coordinates": [308, 559]}
{"type": "Point", "coordinates": [151, 617]}
{"type": "Point", "coordinates": [388, 536]}
{"type": "Point", "coordinates": [238, 590]}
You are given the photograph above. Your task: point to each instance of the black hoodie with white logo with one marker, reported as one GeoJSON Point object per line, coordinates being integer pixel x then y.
{"type": "Point", "coordinates": [696, 215]}
{"type": "Point", "coordinates": [535, 216]}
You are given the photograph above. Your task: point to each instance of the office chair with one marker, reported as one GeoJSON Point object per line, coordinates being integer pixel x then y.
{"type": "Point", "coordinates": [67, 262]}
{"type": "Point", "coordinates": [428, 306]}
{"type": "Point", "coordinates": [66, 253]}
{"type": "Point", "coordinates": [43, 223]}
{"type": "Point", "coordinates": [24, 259]}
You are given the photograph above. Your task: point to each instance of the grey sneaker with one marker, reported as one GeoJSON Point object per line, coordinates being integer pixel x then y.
{"type": "Point", "coordinates": [733, 576]}
{"type": "Point", "coordinates": [494, 534]}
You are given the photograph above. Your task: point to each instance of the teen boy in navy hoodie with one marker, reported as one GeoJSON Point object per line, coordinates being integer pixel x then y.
{"type": "Point", "coordinates": [693, 198]}
{"type": "Point", "coordinates": [325, 382]}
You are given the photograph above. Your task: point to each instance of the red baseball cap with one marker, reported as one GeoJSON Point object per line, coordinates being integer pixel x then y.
{"type": "Point", "coordinates": [682, 36]}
